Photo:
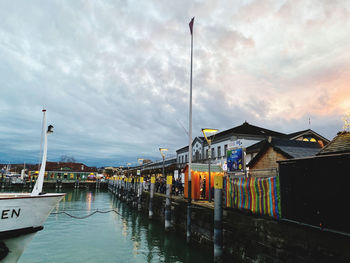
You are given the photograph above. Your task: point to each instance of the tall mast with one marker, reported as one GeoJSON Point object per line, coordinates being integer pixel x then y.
{"type": "Point", "coordinates": [38, 187]}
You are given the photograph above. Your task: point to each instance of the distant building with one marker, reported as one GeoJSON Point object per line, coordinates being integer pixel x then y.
{"type": "Point", "coordinates": [62, 166]}
{"type": "Point", "coordinates": [68, 171]}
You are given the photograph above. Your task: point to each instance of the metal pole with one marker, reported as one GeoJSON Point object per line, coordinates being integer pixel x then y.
{"type": "Point", "coordinates": [169, 182]}
{"type": "Point", "coordinates": [140, 194]}
{"type": "Point", "coordinates": [209, 158]}
{"type": "Point", "coordinates": [218, 236]}
{"type": "Point", "coordinates": [150, 211]}
{"type": "Point", "coordinates": [188, 234]}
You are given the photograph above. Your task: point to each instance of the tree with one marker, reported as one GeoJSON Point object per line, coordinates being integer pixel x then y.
{"type": "Point", "coordinates": [67, 159]}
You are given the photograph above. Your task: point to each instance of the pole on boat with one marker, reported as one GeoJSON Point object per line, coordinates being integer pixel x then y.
{"type": "Point", "coordinates": [38, 187]}
{"type": "Point", "coordinates": [188, 234]}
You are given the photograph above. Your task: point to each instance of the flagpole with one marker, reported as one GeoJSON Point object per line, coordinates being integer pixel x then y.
{"type": "Point", "coordinates": [190, 146]}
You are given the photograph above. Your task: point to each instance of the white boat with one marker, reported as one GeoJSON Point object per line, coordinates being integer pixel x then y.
{"type": "Point", "coordinates": [23, 214]}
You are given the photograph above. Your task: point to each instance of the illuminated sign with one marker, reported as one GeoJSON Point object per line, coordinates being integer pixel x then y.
{"type": "Point", "coordinates": [235, 160]}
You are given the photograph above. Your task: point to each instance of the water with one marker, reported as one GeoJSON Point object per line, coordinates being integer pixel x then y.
{"type": "Point", "coordinates": [128, 237]}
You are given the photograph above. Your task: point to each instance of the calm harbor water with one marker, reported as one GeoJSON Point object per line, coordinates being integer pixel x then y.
{"type": "Point", "coordinates": [110, 237]}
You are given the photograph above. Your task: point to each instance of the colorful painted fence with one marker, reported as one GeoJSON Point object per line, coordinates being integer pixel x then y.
{"type": "Point", "coordinates": [258, 195]}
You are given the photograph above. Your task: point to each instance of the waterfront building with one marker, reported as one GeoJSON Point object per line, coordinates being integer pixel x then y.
{"type": "Point", "coordinates": [339, 145]}
{"type": "Point", "coordinates": [271, 150]}
{"type": "Point", "coordinates": [148, 168]}
{"type": "Point", "coordinates": [314, 190]}
{"type": "Point", "coordinates": [68, 171]}
{"type": "Point", "coordinates": [245, 135]}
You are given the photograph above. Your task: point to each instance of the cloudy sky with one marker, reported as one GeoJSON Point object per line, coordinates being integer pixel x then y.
{"type": "Point", "coordinates": [114, 75]}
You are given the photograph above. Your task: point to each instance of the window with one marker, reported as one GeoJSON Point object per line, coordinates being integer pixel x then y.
{"type": "Point", "coordinates": [206, 153]}
{"type": "Point", "coordinates": [219, 151]}
{"type": "Point", "coordinates": [182, 158]}
{"type": "Point", "coordinates": [225, 150]}
{"type": "Point", "coordinates": [186, 158]}
{"type": "Point", "coordinates": [179, 159]}
{"type": "Point", "coordinates": [212, 152]}
{"type": "Point", "coordinates": [197, 155]}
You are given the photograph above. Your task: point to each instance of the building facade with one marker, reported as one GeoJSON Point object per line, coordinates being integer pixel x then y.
{"type": "Point", "coordinates": [243, 135]}
{"type": "Point", "coordinates": [247, 136]}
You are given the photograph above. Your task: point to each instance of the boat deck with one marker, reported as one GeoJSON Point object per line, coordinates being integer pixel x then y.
{"type": "Point", "coordinates": [27, 195]}
{"type": "Point", "coordinates": [13, 195]}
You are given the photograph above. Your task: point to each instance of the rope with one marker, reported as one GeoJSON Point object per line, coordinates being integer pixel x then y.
{"type": "Point", "coordinates": [83, 217]}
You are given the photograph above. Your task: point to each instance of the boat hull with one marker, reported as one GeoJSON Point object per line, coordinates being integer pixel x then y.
{"type": "Point", "coordinates": [21, 216]}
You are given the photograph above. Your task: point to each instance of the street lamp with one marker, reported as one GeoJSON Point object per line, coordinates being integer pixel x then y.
{"type": "Point", "coordinates": [162, 150]}
{"type": "Point", "coordinates": [128, 164]}
{"type": "Point", "coordinates": [205, 132]}
{"type": "Point", "coordinates": [140, 161]}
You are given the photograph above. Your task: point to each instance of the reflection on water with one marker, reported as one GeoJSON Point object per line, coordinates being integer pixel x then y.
{"type": "Point", "coordinates": [124, 237]}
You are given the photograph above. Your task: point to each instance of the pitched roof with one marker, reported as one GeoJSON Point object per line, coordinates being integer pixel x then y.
{"type": "Point", "coordinates": [340, 144]}
{"type": "Point", "coordinates": [185, 148]}
{"type": "Point", "coordinates": [56, 166]}
{"type": "Point", "coordinates": [244, 129]}
{"type": "Point", "coordinates": [288, 148]}
{"type": "Point", "coordinates": [296, 149]}
{"type": "Point", "coordinates": [295, 135]}
{"type": "Point", "coordinates": [256, 147]}
{"type": "Point", "coordinates": [248, 129]}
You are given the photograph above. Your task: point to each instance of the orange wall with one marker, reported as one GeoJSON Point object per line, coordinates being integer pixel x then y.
{"type": "Point", "coordinates": [195, 182]}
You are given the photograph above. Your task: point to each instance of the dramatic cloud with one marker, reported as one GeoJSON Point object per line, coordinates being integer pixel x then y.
{"type": "Point", "coordinates": [114, 75]}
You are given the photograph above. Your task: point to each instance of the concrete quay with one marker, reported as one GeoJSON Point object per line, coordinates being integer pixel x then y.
{"type": "Point", "coordinates": [246, 237]}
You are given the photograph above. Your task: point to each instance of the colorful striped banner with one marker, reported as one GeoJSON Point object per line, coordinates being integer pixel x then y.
{"type": "Point", "coordinates": [258, 195]}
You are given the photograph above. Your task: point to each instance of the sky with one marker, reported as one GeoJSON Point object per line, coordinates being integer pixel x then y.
{"type": "Point", "coordinates": [114, 76]}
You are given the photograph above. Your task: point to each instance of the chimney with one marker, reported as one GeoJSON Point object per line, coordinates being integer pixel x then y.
{"type": "Point", "coordinates": [269, 139]}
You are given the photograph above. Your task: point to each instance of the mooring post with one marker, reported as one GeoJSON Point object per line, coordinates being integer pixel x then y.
{"type": "Point", "coordinates": [120, 187]}
{"type": "Point", "coordinates": [121, 195]}
{"type": "Point", "coordinates": [129, 190]}
{"type": "Point", "coordinates": [151, 194]}
{"type": "Point", "coordinates": [169, 182]}
{"type": "Point", "coordinates": [117, 186]}
{"type": "Point", "coordinates": [125, 188]}
{"type": "Point", "coordinates": [140, 194]}
{"type": "Point", "coordinates": [218, 235]}
{"type": "Point", "coordinates": [188, 228]}
{"type": "Point", "coordinates": [135, 192]}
